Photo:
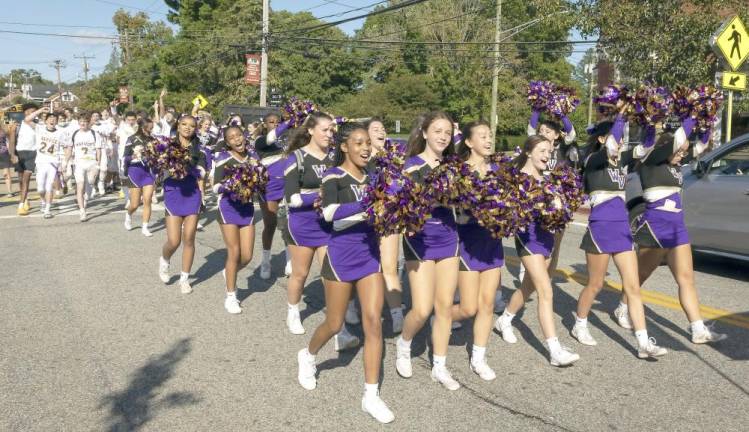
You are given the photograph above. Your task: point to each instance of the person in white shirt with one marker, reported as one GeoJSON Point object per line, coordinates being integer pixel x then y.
{"type": "Point", "coordinates": [84, 146]}
{"type": "Point", "coordinates": [126, 129]}
{"type": "Point", "coordinates": [23, 154]}
{"type": "Point", "coordinates": [105, 127]}
{"type": "Point", "coordinates": [48, 141]}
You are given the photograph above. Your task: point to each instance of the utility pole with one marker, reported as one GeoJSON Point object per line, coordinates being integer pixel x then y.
{"type": "Point", "coordinates": [126, 49]}
{"type": "Point", "coordinates": [589, 69]}
{"type": "Point", "coordinates": [85, 64]}
{"type": "Point", "coordinates": [264, 56]}
{"type": "Point", "coordinates": [59, 64]}
{"type": "Point", "coordinates": [495, 72]}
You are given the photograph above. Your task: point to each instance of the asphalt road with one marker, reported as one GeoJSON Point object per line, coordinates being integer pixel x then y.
{"type": "Point", "coordinates": [90, 339]}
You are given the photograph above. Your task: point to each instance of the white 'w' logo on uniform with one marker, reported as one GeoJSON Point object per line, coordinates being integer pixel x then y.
{"type": "Point", "coordinates": [358, 191]}
{"type": "Point", "coordinates": [618, 176]}
{"type": "Point", "coordinates": [319, 170]}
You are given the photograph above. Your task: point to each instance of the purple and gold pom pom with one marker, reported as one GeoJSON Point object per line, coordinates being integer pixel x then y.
{"type": "Point", "coordinates": [652, 105]}
{"type": "Point", "coordinates": [169, 158]}
{"type": "Point", "coordinates": [701, 103]}
{"type": "Point", "coordinates": [242, 181]}
{"type": "Point", "coordinates": [545, 96]}
{"type": "Point", "coordinates": [609, 97]}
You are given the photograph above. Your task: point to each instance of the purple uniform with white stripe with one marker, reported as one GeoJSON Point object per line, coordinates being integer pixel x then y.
{"type": "Point", "coordinates": [182, 196]}
{"type": "Point", "coordinates": [353, 250]}
{"type": "Point", "coordinates": [535, 240]}
{"type": "Point", "coordinates": [439, 237]}
{"type": "Point", "coordinates": [270, 148]}
{"type": "Point", "coordinates": [479, 251]}
{"type": "Point", "coordinates": [135, 169]}
{"type": "Point", "coordinates": [230, 212]}
{"type": "Point", "coordinates": [303, 177]}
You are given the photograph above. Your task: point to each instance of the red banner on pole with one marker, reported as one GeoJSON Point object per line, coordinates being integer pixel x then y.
{"type": "Point", "coordinates": [252, 69]}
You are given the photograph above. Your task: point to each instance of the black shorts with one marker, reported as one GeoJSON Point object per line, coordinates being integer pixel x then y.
{"type": "Point", "coordinates": [26, 161]}
{"type": "Point", "coordinates": [5, 160]}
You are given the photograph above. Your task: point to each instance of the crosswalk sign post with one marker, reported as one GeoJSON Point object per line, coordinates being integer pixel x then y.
{"type": "Point", "coordinates": [732, 41]}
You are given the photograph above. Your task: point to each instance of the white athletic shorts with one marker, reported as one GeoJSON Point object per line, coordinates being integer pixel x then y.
{"type": "Point", "coordinates": [45, 176]}
{"type": "Point", "coordinates": [85, 172]}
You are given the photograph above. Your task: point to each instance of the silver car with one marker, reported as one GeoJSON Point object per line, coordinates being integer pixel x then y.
{"type": "Point", "coordinates": [715, 199]}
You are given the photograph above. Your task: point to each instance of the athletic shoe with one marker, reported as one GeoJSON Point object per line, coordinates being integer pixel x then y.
{"type": "Point", "coordinates": [621, 313]}
{"type": "Point", "coordinates": [146, 233]}
{"type": "Point", "coordinates": [200, 226]}
{"type": "Point", "coordinates": [121, 194]}
{"type": "Point", "coordinates": [707, 336]}
{"type": "Point", "coordinates": [582, 333]}
{"type": "Point", "coordinates": [22, 211]}
{"type": "Point", "coordinates": [375, 407]}
{"type": "Point", "coordinates": [345, 340]}
{"type": "Point", "coordinates": [651, 350]}
{"type": "Point", "coordinates": [352, 316]}
{"type": "Point", "coordinates": [441, 375]}
{"type": "Point", "coordinates": [499, 303]}
{"type": "Point", "coordinates": [403, 361]}
{"type": "Point", "coordinates": [294, 322]}
{"type": "Point", "coordinates": [483, 370]}
{"type": "Point", "coordinates": [154, 200]}
{"type": "Point", "coordinates": [26, 205]}
{"type": "Point", "coordinates": [504, 327]}
{"type": "Point", "coordinates": [307, 370]}
{"type": "Point", "coordinates": [83, 215]}
{"type": "Point", "coordinates": [265, 270]}
{"type": "Point", "coordinates": [231, 304]}
{"type": "Point", "coordinates": [184, 287]}
{"type": "Point", "coordinates": [563, 357]}
{"type": "Point", "coordinates": [163, 271]}
{"type": "Point", "coordinates": [397, 317]}
{"type": "Point", "coordinates": [128, 222]}
{"type": "Point", "coordinates": [47, 214]}
{"type": "Point", "coordinates": [456, 325]}
{"type": "Point", "coordinates": [287, 269]}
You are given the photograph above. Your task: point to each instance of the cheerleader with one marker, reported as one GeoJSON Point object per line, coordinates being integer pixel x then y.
{"type": "Point", "coordinates": [271, 152]}
{"type": "Point", "coordinates": [307, 233]}
{"type": "Point", "coordinates": [661, 232]}
{"type": "Point", "coordinates": [608, 234]}
{"type": "Point", "coordinates": [182, 203]}
{"type": "Point", "coordinates": [352, 260]}
{"type": "Point", "coordinates": [235, 218]}
{"type": "Point", "coordinates": [534, 247]}
{"type": "Point", "coordinates": [431, 256]}
{"type": "Point", "coordinates": [389, 246]}
{"type": "Point", "coordinates": [481, 256]}
{"type": "Point", "coordinates": [139, 177]}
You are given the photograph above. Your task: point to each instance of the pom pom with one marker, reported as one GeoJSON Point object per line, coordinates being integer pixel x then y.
{"type": "Point", "coordinates": [298, 110]}
{"type": "Point", "coordinates": [242, 181]}
{"type": "Point", "coordinates": [652, 105]}
{"type": "Point", "coordinates": [609, 97]}
{"type": "Point", "coordinates": [545, 96]}
{"type": "Point", "coordinates": [701, 103]}
{"type": "Point", "coordinates": [562, 196]}
{"type": "Point", "coordinates": [169, 158]}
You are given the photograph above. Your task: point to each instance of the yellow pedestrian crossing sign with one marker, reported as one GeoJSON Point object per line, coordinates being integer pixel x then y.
{"type": "Point", "coordinates": [733, 81]}
{"type": "Point", "coordinates": [733, 41]}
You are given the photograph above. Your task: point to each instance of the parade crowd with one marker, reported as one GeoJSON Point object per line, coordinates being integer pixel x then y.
{"type": "Point", "coordinates": [368, 209]}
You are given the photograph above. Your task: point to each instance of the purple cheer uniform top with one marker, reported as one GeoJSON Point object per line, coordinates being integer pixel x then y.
{"type": "Point", "coordinates": [270, 148]}
{"type": "Point", "coordinates": [438, 239]}
{"type": "Point", "coordinates": [182, 196]}
{"type": "Point", "coordinates": [231, 212]}
{"type": "Point", "coordinates": [605, 175]}
{"type": "Point", "coordinates": [662, 225]}
{"type": "Point", "coordinates": [136, 170]}
{"type": "Point", "coordinates": [353, 249]}
{"type": "Point", "coordinates": [302, 179]}
{"type": "Point", "coordinates": [479, 251]}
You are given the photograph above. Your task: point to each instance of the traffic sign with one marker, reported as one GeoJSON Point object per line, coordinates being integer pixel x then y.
{"type": "Point", "coordinates": [732, 39]}
{"type": "Point", "coordinates": [733, 81]}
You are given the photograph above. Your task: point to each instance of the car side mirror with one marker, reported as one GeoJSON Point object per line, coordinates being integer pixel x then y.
{"type": "Point", "coordinates": [700, 168]}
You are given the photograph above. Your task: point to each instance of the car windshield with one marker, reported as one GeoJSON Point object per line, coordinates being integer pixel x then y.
{"type": "Point", "coordinates": [734, 163]}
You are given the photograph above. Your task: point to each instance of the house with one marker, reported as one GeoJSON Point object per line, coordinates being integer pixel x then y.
{"type": "Point", "coordinates": [45, 93]}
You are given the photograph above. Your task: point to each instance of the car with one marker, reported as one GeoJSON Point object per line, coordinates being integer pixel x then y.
{"type": "Point", "coordinates": [715, 198]}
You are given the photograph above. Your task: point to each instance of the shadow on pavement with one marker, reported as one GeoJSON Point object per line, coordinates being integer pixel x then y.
{"type": "Point", "coordinates": [720, 266]}
{"type": "Point", "coordinates": [132, 408]}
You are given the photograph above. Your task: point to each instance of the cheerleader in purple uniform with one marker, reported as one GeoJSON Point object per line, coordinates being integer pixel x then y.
{"type": "Point", "coordinates": [609, 236]}
{"type": "Point", "coordinates": [139, 176]}
{"type": "Point", "coordinates": [481, 256]}
{"type": "Point", "coordinates": [235, 217]}
{"type": "Point", "coordinates": [534, 247]}
{"type": "Point", "coordinates": [182, 201]}
{"type": "Point", "coordinates": [270, 149]}
{"type": "Point", "coordinates": [431, 256]}
{"type": "Point", "coordinates": [352, 260]}
{"type": "Point", "coordinates": [661, 232]}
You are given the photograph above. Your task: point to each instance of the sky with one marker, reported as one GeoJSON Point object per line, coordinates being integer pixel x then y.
{"type": "Point", "coordinates": [94, 18]}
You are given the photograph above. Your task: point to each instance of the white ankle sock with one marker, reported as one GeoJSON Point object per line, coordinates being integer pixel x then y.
{"type": "Point", "coordinates": [697, 326]}
{"type": "Point", "coordinates": [581, 321]}
{"type": "Point", "coordinates": [623, 306]}
{"type": "Point", "coordinates": [163, 261]}
{"type": "Point", "coordinates": [370, 390]}
{"type": "Point", "coordinates": [642, 337]}
{"type": "Point", "coordinates": [294, 307]}
{"type": "Point", "coordinates": [506, 316]}
{"type": "Point", "coordinates": [439, 361]}
{"type": "Point", "coordinates": [478, 353]}
{"type": "Point", "coordinates": [553, 344]}
{"type": "Point", "coordinates": [144, 226]}
{"type": "Point", "coordinates": [402, 343]}
{"type": "Point", "coordinates": [266, 255]}
{"type": "Point", "coordinates": [183, 276]}
{"type": "Point", "coordinates": [231, 294]}
{"type": "Point", "coordinates": [309, 354]}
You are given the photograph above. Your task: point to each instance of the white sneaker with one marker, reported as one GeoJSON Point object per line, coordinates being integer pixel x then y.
{"type": "Point", "coordinates": [563, 357]}
{"type": "Point", "coordinates": [154, 200]}
{"type": "Point", "coordinates": [455, 325]}
{"type": "Point", "coordinates": [287, 269]}
{"type": "Point", "coordinates": [651, 350]}
{"type": "Point", "coordinates": [164, 271]}
{"type": "Point", "coordinates": [128, 222]}
{"type": "Point", "coordinates": [582, 334]}
{"type": "Point", "coordinates": [482, 369]}
{"type": "Point", "coordinates": [294, 322]}
{"type": "Point", "coordinates": [352, 316]}
{"type": "Point", "coordinates": [505, 328]}
{"type": "Point", "coordinates": [375, 407]}
{"type": "Point", "coordinates": [499, 303]}
{"type": "Point", "coordinates": [200, 226]}
{"type": "Point", "coordinates": [307, 370]}
{"type": "Point", "coordinates": [622, 317]}
{"type": "Point", "coordinates": [145, 231]}
{"type": "Point", "coordinates": [441, 375]}
{"type": "Point", "coordinates": [403, 361]}
{"type": "Point", "coordinates": [184, 287]}
{"type": "Point", "coordinates": [231, 304]}
{"type": "Point", "coordinates": [707, 336]}
{"type": "Point", "coordinates": [265, 270]}
{"type": "Point", "coordinates": [397, 318]}
{"type": "Point", "coordinates": [345, 340]}
{"type": "Point", "coordinates": [83, 216]}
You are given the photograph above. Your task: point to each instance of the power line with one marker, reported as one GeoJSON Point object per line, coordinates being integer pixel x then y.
{"type": "Point", "coordinates": [395, 42]}
{"type": "Point", "coordinates": [60, 35]}
{"type": "Point", "coordinates": [55, 25]}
